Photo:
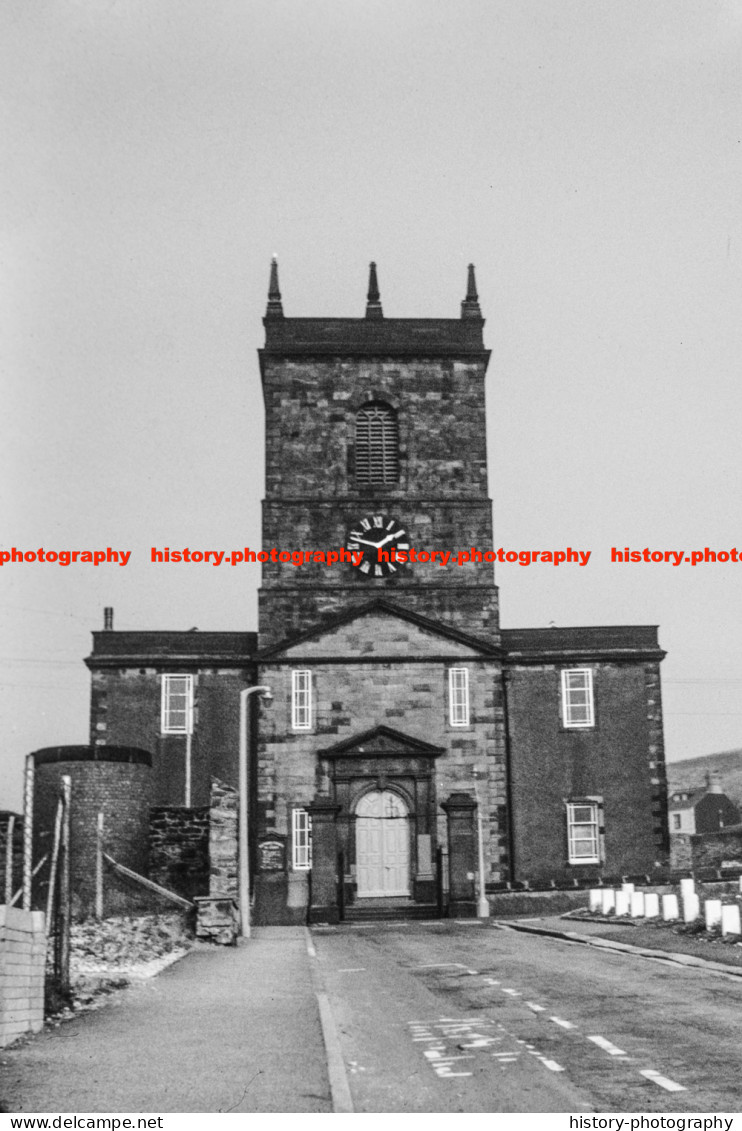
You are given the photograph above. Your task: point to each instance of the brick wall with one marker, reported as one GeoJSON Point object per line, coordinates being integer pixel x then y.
{"type": "Point", "coordinates": [125, 709]}
{"type": "Point", "coordinates": [179, 849]}
{"type": "Point", "coordinates": [618, 760]}
{"type": "Point", "coordinates": [121, 790]}
{"type": "Point", "coordinates": [22, 970]}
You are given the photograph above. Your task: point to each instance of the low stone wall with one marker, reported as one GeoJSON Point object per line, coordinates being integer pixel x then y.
{"type": "Point", "coordinates": [714, 850]}
{"type": "Point", "coordinates": [223, 851]}
{"type": "Point", "coordinates": [681, 854]}
{"type": "Point", "coordinates": [179, 849]}
{"type": "Point", "coordinates": [22, 972]}
{"type": "Point", "coordinates": [512, 904]}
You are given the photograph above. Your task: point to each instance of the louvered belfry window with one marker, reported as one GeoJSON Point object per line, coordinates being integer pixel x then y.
{"type": "Point", "coordinates": [377, 445]}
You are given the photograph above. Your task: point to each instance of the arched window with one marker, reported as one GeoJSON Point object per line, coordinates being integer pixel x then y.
{"type": "Point", "coordinates": [377, 445]}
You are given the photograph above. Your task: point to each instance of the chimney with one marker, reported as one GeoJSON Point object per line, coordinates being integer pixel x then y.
{"type": "Point", "coordinates": [108, 619]}
{"type": "Point", "coordinates": [713, 782]}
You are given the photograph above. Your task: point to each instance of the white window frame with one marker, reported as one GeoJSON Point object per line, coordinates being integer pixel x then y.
{"type": "Point", "coordinates": [458, 697]}
{"type": "Point", "coordinates": [301, 840]}
{"type": "Point", "coordinates": [574, 826]}
{"type": "Point", "coordinates": [301, 699]}
{"type": "Point", "coordinates": [167, 708]}
{"type": "Point", "coordinates": [569, 706]}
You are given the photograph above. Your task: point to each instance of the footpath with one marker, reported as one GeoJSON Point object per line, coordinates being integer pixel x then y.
{"type": "Point", "coordinates": [224, 1029]}
{"type": "Point", "coordinates": [643, 940]}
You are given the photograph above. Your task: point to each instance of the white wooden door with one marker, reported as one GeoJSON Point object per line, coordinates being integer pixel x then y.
{"type": "Point", "coordinates": [382, 845]}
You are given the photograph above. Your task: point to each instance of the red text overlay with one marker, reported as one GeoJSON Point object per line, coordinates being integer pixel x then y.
{"type": "Point", "coordinates": [16, 556]}
{"type": "Point", "coordinates": [675, 557]}
{"type": "Point", "coordinates": [341, 556]}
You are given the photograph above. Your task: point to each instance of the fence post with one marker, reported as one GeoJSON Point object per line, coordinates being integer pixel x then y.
{"type": "Point", "coordinates": [10, 829]}
{"type": "Point", "coordinates": [28, 833]}
{"type": "Point", "coordinates": [99, 869]}
{"type": "Point", "coordinates": [64, 888]}
{"type": "Point", "coordinates": [53, 868]}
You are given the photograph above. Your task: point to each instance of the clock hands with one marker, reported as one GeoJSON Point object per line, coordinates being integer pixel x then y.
{"type": "Point", "coordinates": [383, 542]}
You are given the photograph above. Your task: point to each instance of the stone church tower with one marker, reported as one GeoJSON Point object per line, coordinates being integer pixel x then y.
{"type": "Point", "coordinates": [387, 673]}
{"type": "Point", "coordinates": [376, 426]}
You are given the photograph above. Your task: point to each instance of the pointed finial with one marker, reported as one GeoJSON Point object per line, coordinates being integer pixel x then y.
{"type": "Point", "coordinates": [373, 304]}
{"type": "Point", "coordinates": [275, 307]}
{"type": "Point", "coordinates": [470, 306]}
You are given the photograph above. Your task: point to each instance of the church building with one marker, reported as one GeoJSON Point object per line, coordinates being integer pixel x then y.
{"type": "Point", "coordinates": [412, 745]}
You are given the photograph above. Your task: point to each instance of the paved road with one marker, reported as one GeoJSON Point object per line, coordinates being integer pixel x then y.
{"type": "Point", "coordinates": [446, 1017]}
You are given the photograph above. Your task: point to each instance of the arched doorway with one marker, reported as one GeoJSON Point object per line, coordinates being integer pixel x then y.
{"type": "Point", "coordinates": [382, 845]}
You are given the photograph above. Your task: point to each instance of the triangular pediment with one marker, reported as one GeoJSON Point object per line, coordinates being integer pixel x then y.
{"type": "Point", "coordinates": [381, 630]}
{"type": "Point", "coordinates": [382, 741]}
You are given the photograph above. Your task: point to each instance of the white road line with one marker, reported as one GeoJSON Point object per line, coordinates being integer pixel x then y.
{"type": "Point", "coordinates": [436, 965]}
{"type": "Point", "coordinates": [656, 1078]}
{"type": "Point", "coordinates": [602, 1043]}
{"type": "Point", "coordinates": [551, 1065]}
{"type": "Point", "coordinates": [536, 1008]}
{"type": "Point", "coordinates": [562, 1024]}
{"type": "Point", "coordinates": [513, 993]}
{"type": "Point", "coordinates": [351, 969]}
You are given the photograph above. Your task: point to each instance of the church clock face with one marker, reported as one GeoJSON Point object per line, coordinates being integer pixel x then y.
{"type": "Point", "coordinates": [376, 532]}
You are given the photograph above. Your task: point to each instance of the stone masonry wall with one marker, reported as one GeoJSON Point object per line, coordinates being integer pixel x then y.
{"type": "Point", "coordinates": [409, 695]}
{"type": "Point", "coordinates": [313, 500]}
{"type": "Point", "coordinates": [179, 849]}
{"type": "Point", "coordinates": [223, 851]}
{"type": "Point", "coordinates": [711, 850]}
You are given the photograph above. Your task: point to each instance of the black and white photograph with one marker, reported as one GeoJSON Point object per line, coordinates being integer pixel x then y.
{"type": "Point", "coordinates": [371, 561]}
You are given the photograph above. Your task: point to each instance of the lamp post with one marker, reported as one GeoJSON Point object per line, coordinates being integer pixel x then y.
{"type": "Point", "coordinates": [243, 860]}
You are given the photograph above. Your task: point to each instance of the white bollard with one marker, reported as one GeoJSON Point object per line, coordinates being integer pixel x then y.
{"type": "Point", "coordinates": [691, 908]}
{"type": "Point", "coordinates": [622, 903]}
{"type": "Point", "coordinates": [670, 908]}
{"type": "Point", "coordinates": [712, 913]}
{"type": "Point", "coordinates": [637, 904]}
{"type": "Point", "coordinates": [687, 887]}
{"type": "Point", "coordinates": [730, 919]}
{"type": "Point", "coordinates": [651, 905]}
{"type": "Point", "coordinates": [608, 900]}
{"type": "Point", "coordinates": [628, 888]}
{"type": "Point", "coordinates": [596, 899]}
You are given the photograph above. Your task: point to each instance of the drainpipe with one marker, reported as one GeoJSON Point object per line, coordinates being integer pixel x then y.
{"type": "Point", "coordinates": [508, 776]}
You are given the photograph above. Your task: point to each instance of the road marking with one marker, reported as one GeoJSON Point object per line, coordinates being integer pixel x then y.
{"type": "Point", "coordinates": [513, 993]}
{"type": "Point", "coordinates": [551, 1065]}
{"type": "Point", "coordinates": [351, 969]}
{"type": "Point", "coordinates": [562, 1024]}
{"type": "Point", "coordinates": [656, 1078]}
{"type": "Point", "coordinates": [437, 965]}
{"type": "Point", "coordinates": [536, 1008]}
{"type": "Point", "coordinates": [602, 1043]}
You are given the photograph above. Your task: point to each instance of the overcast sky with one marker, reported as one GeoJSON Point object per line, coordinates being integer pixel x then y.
{"type": "Point", "coordinates": [585, 154]}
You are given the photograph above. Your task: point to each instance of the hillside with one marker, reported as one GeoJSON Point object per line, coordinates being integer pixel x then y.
{"type": "Point", "coordinates": [691, 773]}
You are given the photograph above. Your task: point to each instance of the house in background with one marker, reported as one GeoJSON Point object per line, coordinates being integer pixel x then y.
{"type": "Point", "coordinates": [698, 811]}
{"type": "Point", "coordinates": [702, 810]}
